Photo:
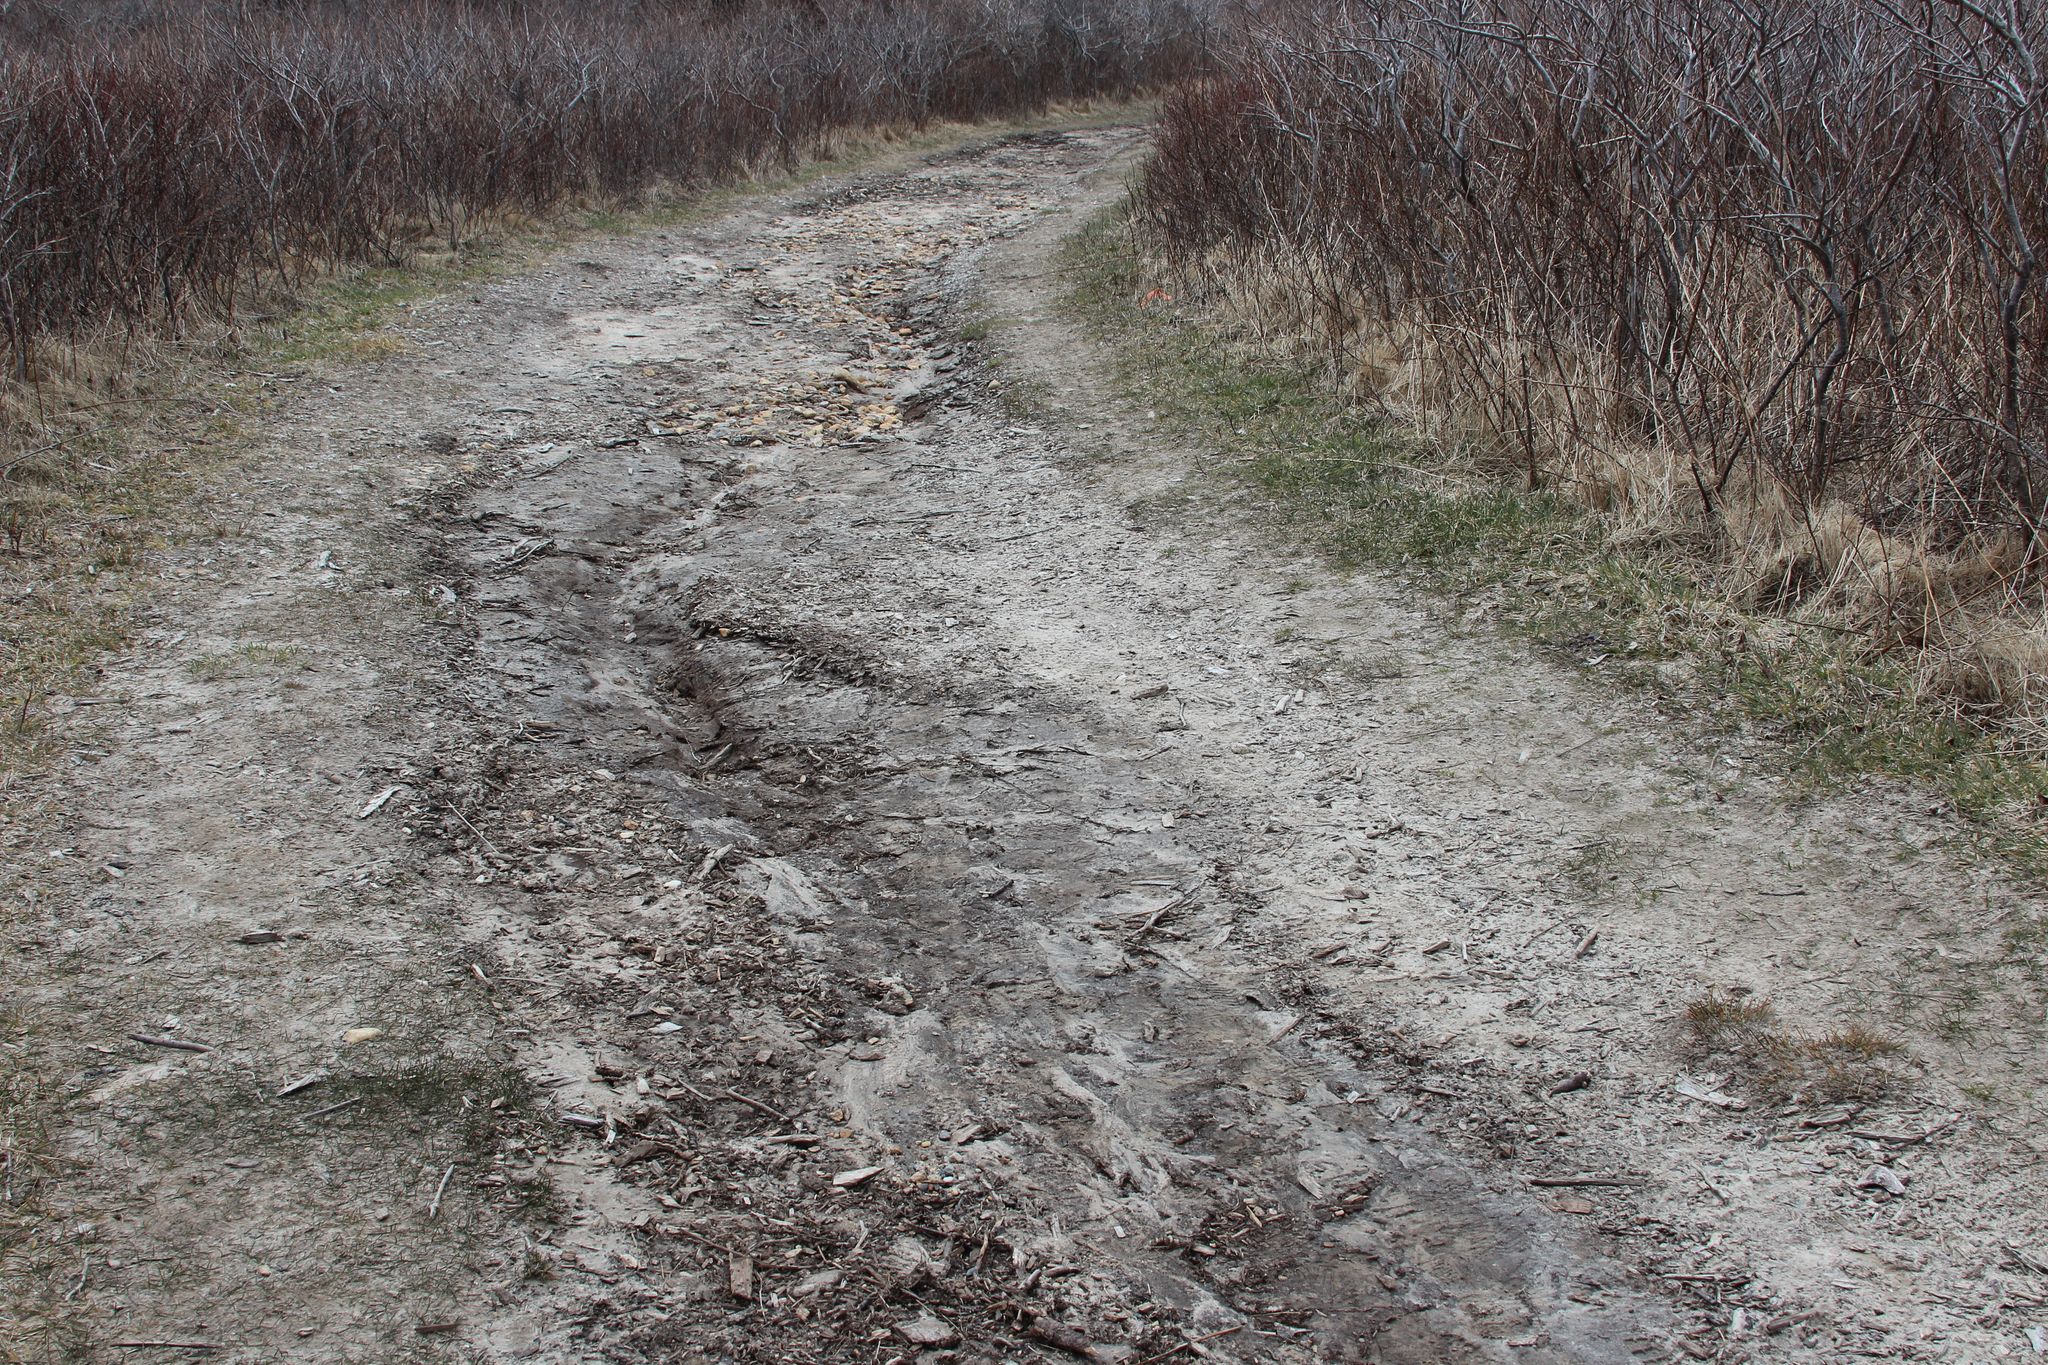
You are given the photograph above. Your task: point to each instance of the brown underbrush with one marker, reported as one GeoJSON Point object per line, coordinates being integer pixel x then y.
{"type": "Point", "coordinates": [192, 187]}
{"type": "Point", "coordinates": [1758, 284]}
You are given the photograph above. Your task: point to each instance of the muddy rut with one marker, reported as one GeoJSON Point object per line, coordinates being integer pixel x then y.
{"type": "Point", "coordinates": [851, 850]}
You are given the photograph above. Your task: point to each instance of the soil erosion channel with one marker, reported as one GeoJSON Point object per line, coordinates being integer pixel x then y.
{"type": "Point", "coordinates": [939, 890]}
{"type": "Point", "coordinates": [866, 631]}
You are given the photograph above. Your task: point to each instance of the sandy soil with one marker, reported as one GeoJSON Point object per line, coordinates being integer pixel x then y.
{"type": "Point", "coordinates": [845, 864]}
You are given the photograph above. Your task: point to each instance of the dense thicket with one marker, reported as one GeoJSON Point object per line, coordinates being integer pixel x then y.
{"type": "Point", "coordinates": [1787, 243]}
{"type": "Point", "coordinates": [152, 155]}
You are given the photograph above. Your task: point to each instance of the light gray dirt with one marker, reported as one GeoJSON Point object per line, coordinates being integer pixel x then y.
{"type": "Point", "coordinates": [808, 760]}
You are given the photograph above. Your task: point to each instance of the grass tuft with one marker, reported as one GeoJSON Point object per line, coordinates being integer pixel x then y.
{"type": "Point", "coordinates": [1852, 1062]}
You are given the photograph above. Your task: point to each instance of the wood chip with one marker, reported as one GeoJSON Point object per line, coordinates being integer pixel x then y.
{"type": "Point", "coordinates": [713, 858]}
{"type": "Point", "coordinates": [310, 1079]}
{"type": "Point", "coordinates": [1053, 1332]}
{"type": "Point", "coordinates": [740, 1277]}
{"type": "Point", "coordinates": [1693, 1090]}
{"type": "Point", "coordinates": [1784, 1320]}
{"type": "Point", "coordinates": [860, 1175]}
{"type": "Point", "coordinates": [817, 1282]}
{"type": "Point", "coordinates": [378, 802]}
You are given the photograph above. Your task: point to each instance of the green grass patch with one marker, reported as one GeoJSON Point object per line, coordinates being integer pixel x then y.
{"type": "Point", "coordinates": [1635, 610]}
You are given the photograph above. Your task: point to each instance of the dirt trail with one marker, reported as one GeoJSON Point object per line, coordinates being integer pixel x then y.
{"type": "Point", "coordinates": [841, 869]}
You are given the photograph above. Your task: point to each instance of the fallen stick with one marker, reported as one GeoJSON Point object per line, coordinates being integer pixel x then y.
{"type": "Point", "coordinates": [1554, 924]}
{"type": "Point", "coordinates": [1707, 1279]}
{"type": "Point", "coordinates": [331, 1108]}
{"type": "Point", "coordinates": [434, 1209]}
{"type": "Point", "coordinates": [761, 1105]}
{"type": "Point", "coordinates": [1190, 1344]}
{"type": "Point", "coordinates": [474, 831]}
{"type": "Point", "coordinates": [1153, 919]}
{"type": "Point", "coordinates": [177, 1044]}
{"type": "Point", "coordinates": [1905, 1139]}
{"type": "Point", "coordinates": [1548, 1182]}
{"type": "Point", "coordinates": [169, 1346]}
{"type": "Point", "coordinates": [1053, 1332]}
{"type": "Point", "coordinates": [737, 1097]}
{"type": "Point", "coordinates": [1578, 1080]}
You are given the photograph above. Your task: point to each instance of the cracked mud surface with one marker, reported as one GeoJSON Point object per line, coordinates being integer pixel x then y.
{"type": "Point", "coordinates": [841, 870]}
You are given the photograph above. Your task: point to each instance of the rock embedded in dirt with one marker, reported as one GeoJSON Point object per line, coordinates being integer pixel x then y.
{"type": "Point", "coordinates": [928, 1333]}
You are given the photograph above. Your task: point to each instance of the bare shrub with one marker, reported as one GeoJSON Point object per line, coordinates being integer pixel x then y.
{"type": "Point", "coordinates": [1766, 275]}
{"type": "Point", "coordinates": [153, 157]}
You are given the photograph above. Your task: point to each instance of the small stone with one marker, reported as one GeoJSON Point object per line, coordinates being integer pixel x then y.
{"type": "Point", "coordinates": [928, 1332]}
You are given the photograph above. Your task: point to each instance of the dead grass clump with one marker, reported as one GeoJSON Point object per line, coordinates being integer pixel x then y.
{"type": "Point", "coordinates": [1722, 1022]}
{"type": "Point", "coordinates": [1747, 1037]}
{"type": "Point", "coordinates": [2002, 669]}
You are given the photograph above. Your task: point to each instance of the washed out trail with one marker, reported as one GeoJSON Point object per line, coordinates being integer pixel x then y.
{"type": "Point", "coordinates": [850, 846]}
